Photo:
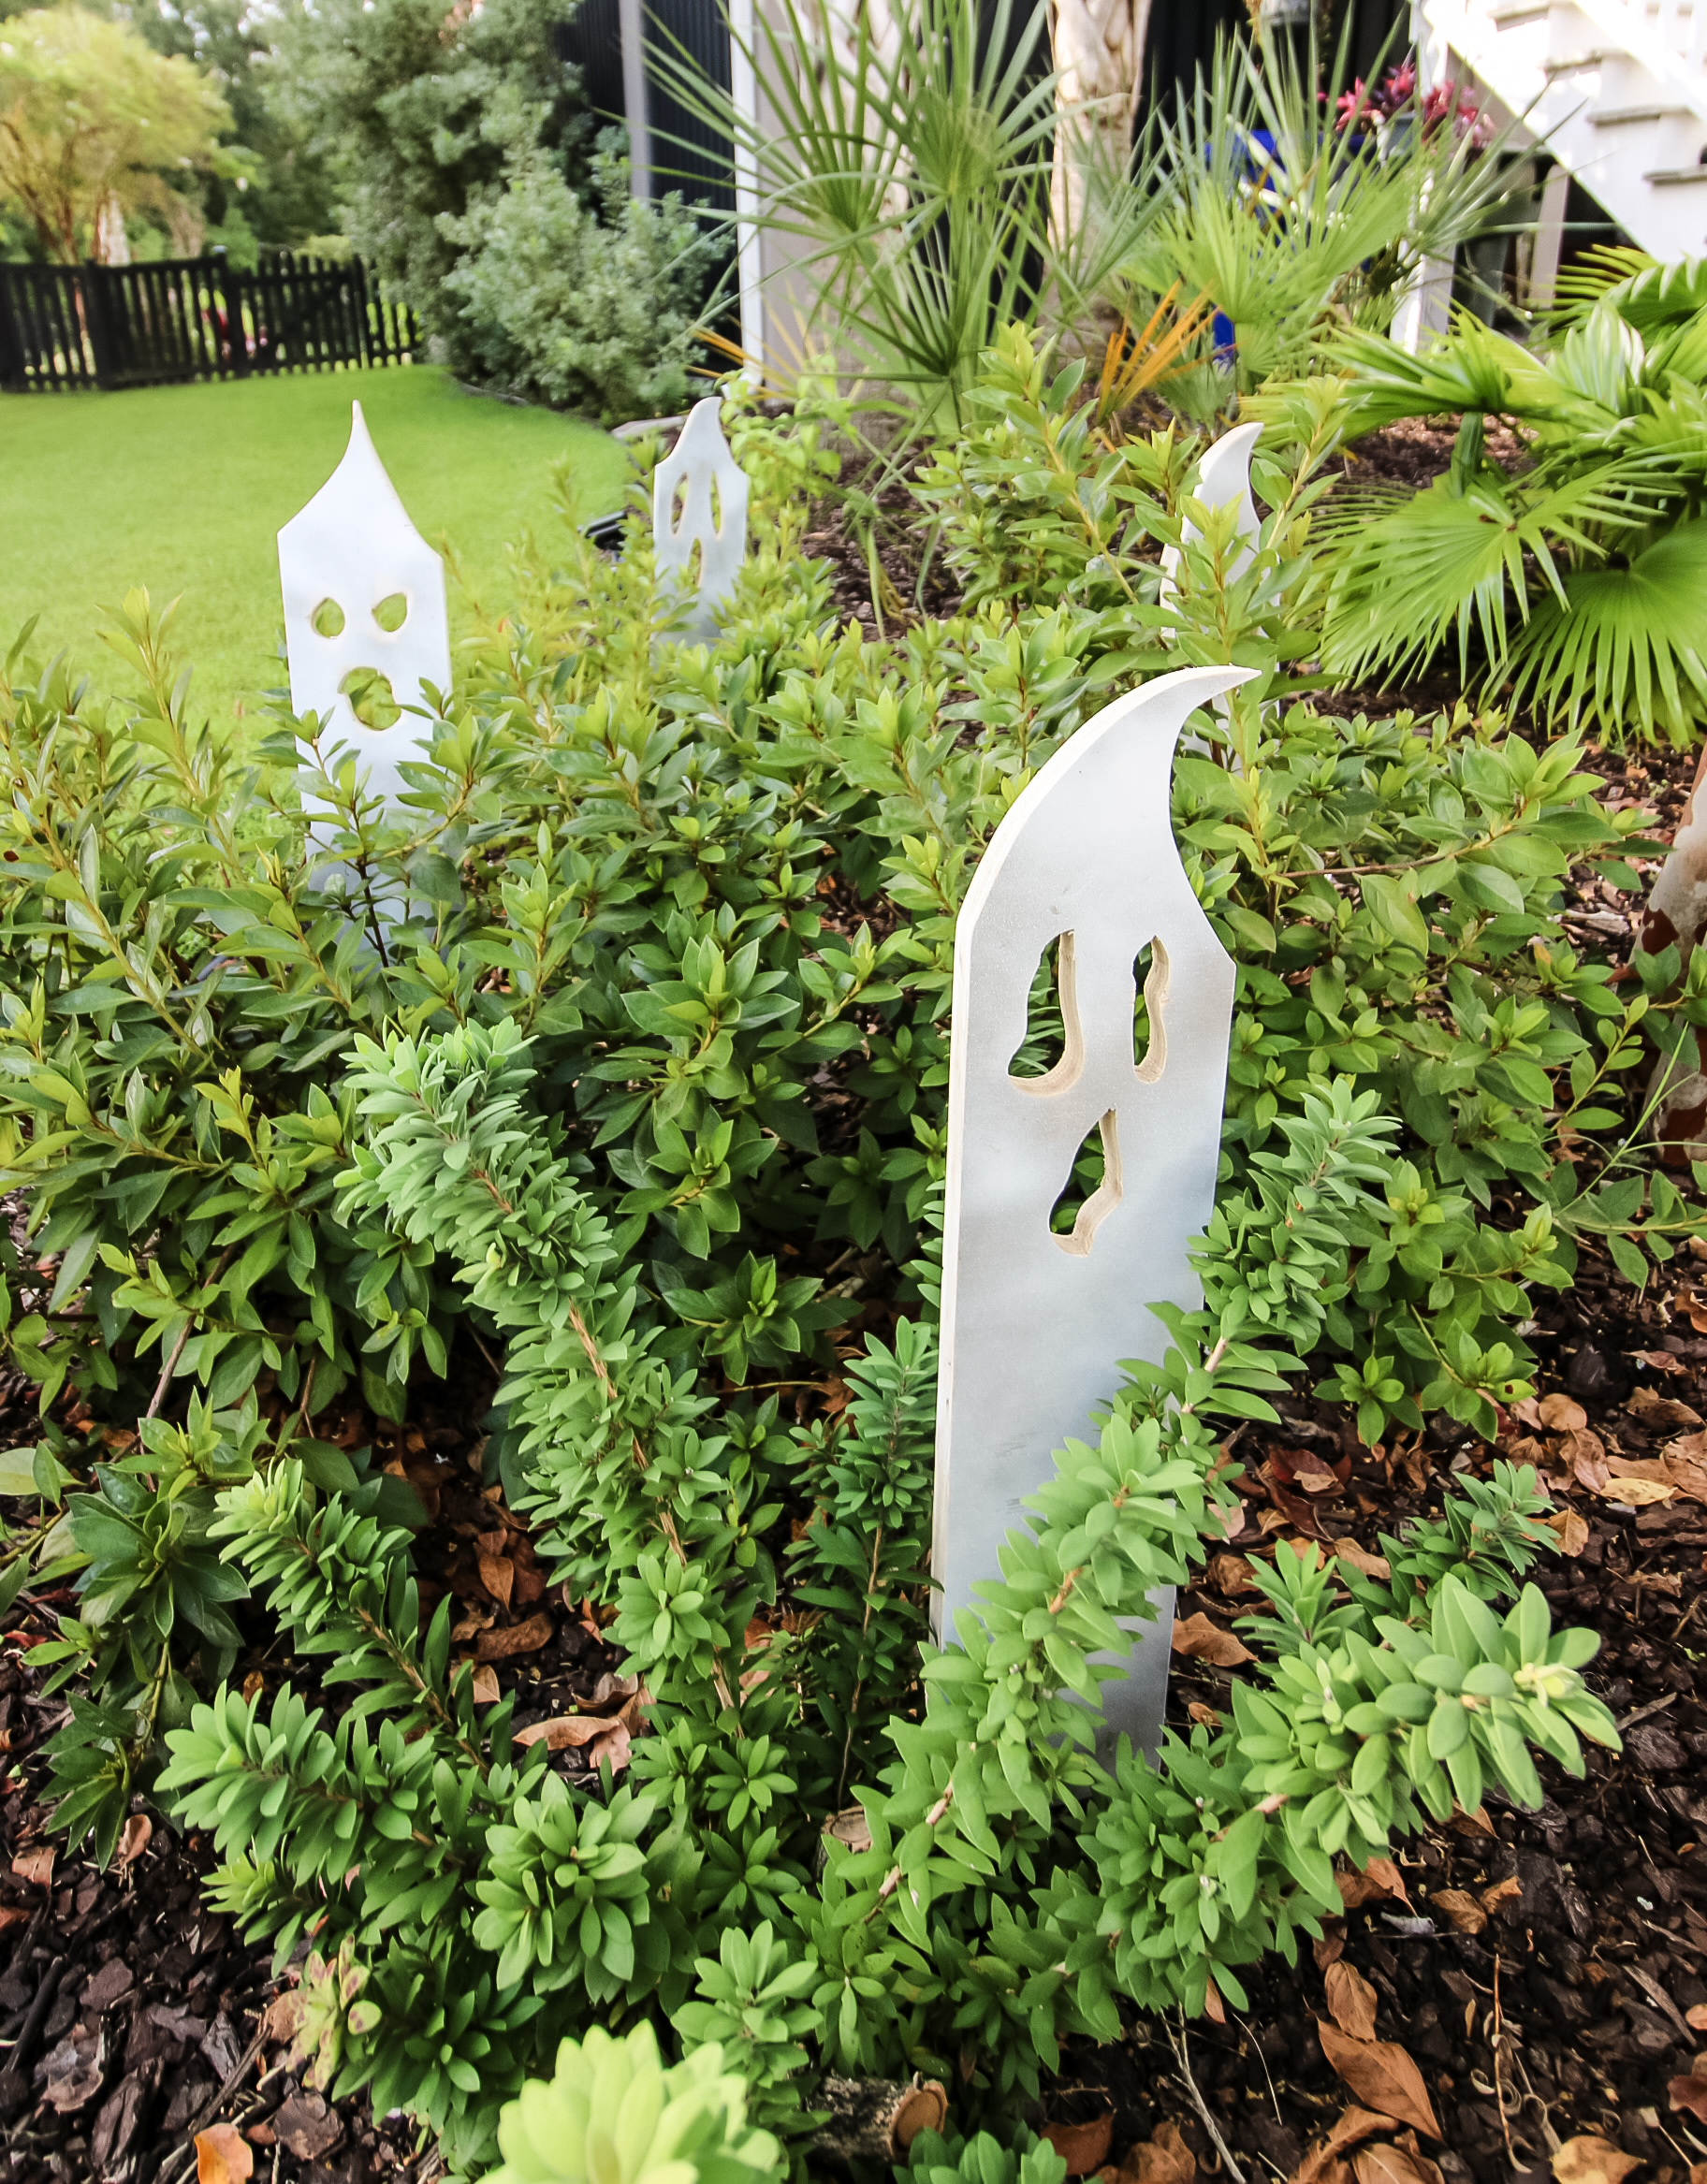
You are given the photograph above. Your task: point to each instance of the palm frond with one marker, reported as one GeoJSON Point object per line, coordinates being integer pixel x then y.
{"type": "Point", "coordinates": [1627, 641]}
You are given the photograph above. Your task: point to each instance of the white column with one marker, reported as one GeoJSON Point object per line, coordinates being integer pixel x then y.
{"type": "Point", "coordinates": [630, 25]}
{"type": "Point", "coordinates": [1549, 239]}
{"type": "Point", "coordinates": [1425, 312]}
{"type": "Point", "coordinates": [744, 95]}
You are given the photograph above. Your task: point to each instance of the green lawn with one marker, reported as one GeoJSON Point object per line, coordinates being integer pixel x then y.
{"type": "Point", "coordinates": [183, 488]}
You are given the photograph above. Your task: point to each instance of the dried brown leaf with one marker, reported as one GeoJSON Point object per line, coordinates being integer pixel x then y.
{"type": "Point", "coordinates": [35, 1866]}
{"type": "Point", "coordinates": [1696, 2018]}
{"type": "Point", "coordinates": [1206, 1715]}
{"type": "Point", "coordinates": [1689, 2094]}
{"type": "Point", "coordinates": [1372, 1566]}
{"type": "Point", "coordinates": [1163, 2159]}
{"type": "Point", "coordinates": [1198, 1639]}
{"type": "Point", "coordinates": [1590, 2160]}
{"type": "Point", "coordinates": [1560, 1415]}
{"type": "Point", "coordinates": [134, 1838]}
{"type": "Point", "coordinates": [1350, 2001]}
{"type": "Point", "coordinates": [282, 2019]}
{"type": "Point", "coordinates": [498, 1575]}
{"type": "Point", "coordinates": [1501, 1892]}
{"type": "Point", "coordinates": [483, 1687]}
{"type": "Point", "coordinates": [1381, 2075]}
{"type": "Point", "coordinates": [1393, 2165]}
{"type": "Point", "coordinates": [1353, 2126]}
{"type": "Point", "coordinates": [522, 1637]}
{"type": "Point", "coordinates": [1083, 2147]}
{"type": "Point", "coordinates": [1380, 1878]}
{"type": "Point", "coordinates": [1461, 1908]}
{"type": "Point", "coordinates": [1569, 1529]}
{"type": "Point", "coordinates": [222, 2156]}
{"type": "Point", "coordinates": [1664, 1413]}
{"type": "Point", "coordinates": [1230, 1574]}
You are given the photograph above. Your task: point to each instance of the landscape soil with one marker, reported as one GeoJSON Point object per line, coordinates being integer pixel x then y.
{"type": "Point", "coordinates": [1537, 1968]}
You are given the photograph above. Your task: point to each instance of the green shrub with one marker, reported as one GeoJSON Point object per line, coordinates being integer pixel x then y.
{"type": "Point", "coordinates": [648, 1053]}
{"type": "Point", "coordinates": [587, 305]}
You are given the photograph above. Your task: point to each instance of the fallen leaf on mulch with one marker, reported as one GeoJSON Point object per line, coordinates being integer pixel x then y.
{"type": "Point", "coordinates": [134, 1837]}
{"type": "Point", "coordinates": [1199, 1712]}
{"type": "Point", "coordinates": [1689, 2093]}
{"type": "Point", "coordinates": [35, 1866]}
{"type": "Point", "coordinates": [1230, 1574]}
{"type": "Point", "coordinates": [1559, 1414]}
{"type": "Point", "coordinates": [498, 1575]}
{"type": "Point", "coordinates": [74, 2072]}
{"type": "Point", "coordinates": [1378, 1878]}
{"type": "Point", "coordinates": [1461, 1908]}
{"type": "Point", "coordinates": [1198, 1639]}
{"type": "Point", "coordinates": [1350, 2001]}
{"type": "Point", "coordinates": [1393, 2165]}
{"type": "Point", "coordinates": [1355, 2125]}
{"type": "Point", "coordinates": [484, 1688]}
{"type": "Point", "coordinates": [222, 2157]}
{"type": "Point", "coordinates": [1504, 1891]}
{"type": "Point", "coordinates": [1214, 2009]}
{"type": "Point", "coordinates": [1475, 1823]}
{"type": "Point", "coordinates": [1083, 2147]}
{"type": "Point", "coordinates": [1330, 1945]}
{"type": "Point", "coordinates": [1637, 1493]}
{"type": "Point", "coordinates": [12, 1915]}
{"type": "Point", "coordinates": [1381, 2075]}
{"type": "Point", "coordinates": [522, 1637]}
{"type": "Point", "coordinates": [1589, 2160]}
{"type": "Point", "coordinates": [1372, 1566]}
{"type": "Point", "coordinates": [282, 2019]}
{"type": "Point", "coordinates": [1664, 1413]}
{"type": "Point", "coordinates": [562, 1731]}
{"type": "Point", "coordinates": [1163, 2159]}
{"type": "Point", "coordinates": [307, 2127]}
{"type": "Point", "coordinates": [1659, 1360]}
{"type": "Point", "coordinates": [1569, 1529]}
{"type": "Point", "coordinates": [1696, 2018]}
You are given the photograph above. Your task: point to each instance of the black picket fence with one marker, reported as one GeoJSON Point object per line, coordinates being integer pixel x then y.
{"type": "Point", "coordinates": [192, 318]}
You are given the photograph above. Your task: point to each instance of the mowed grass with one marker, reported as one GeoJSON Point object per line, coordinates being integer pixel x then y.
{"type": "Point", "coordinates": [182, 490]}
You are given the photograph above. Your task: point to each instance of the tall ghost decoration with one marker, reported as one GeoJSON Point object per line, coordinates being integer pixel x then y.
{"type": "Point", "coordinates": [363, 590]}
{"type": "Point", "coordinates": [1223, 475]}
{"type": "Point", "coordinates": [1035, 1323]}
{"type": "Point", "coordinates": [699, 504]}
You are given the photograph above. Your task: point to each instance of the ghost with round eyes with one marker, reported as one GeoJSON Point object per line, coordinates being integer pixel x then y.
{"type": "Point", "coordinates": [366, 630]}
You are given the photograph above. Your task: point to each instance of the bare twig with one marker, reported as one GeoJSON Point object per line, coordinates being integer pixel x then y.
{"type": "Point", "coordinates": [1177, 2042]}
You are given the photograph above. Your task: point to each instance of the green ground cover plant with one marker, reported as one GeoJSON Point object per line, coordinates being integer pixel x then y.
{"type": "Point", "coordinates": [609, 1050]}
{"type": "Point", "coordinates": [195, 481]}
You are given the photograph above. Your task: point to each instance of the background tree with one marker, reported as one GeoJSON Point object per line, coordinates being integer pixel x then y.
{"type": "Point", "coordinates": [94, 124]}
{"type": "Point", "coordinates": [286, 197]}
{"type": "Point", "coordinates": [414, 108]}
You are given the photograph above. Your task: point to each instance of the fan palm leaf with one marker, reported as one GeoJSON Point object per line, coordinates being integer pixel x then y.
{"type": "Point", "coordinates": [1629, 642]}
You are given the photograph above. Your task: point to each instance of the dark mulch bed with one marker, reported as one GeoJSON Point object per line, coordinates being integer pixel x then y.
{"type": "Point", "coordinates": [1546, 1998]}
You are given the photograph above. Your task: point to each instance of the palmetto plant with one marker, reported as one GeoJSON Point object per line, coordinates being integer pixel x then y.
{"type": "Point", "coordinates": [1581, 575]}
{"type": "Point", "coordinates": [910, 164]}
{"type": "Point", "coordinates": [1295, 217]}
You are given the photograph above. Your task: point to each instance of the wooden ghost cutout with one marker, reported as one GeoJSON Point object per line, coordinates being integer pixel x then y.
{"type": "Point", "coordinates": [1223, 475]}
{"type": "Point", "coordinates": [1035, 1323]}
{"type": "Point", "coordinates": [363, 590]}
{"type": "Point", "coordinates": [700, 473]}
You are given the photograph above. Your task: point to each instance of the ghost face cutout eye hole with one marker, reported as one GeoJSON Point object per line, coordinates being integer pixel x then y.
{"type": "Point", "coordinates": [392, 612]}
{"type": "Point", "coordinates": [371, 698]}
{"type": "Point", "coordinates": [1092, 1190]}
{"type": "Point", "coordinates": [1052, 1054]}
{"type": "Point", "coordinates": [327, 620]}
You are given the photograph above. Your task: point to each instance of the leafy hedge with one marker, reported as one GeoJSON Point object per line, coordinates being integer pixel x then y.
{"type": "Point", "coordinates": [657, 1055]}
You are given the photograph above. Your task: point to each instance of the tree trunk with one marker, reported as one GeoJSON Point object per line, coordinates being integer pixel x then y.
{"type": "Point", "coordinates": [1676, 916]}
{"type": "Point", "coordinates": [876, 2119]}
{"type": "Point", "coordinates": [1099, 51]}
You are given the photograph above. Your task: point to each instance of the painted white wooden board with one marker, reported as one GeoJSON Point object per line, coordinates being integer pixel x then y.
{"type": "Point", "coordinates": [1035, 1326]}
{"type": "Point", "coordinates": [353, 545]}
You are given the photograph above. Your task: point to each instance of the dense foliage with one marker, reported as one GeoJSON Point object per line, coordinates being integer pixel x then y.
{"type": "Point", "coordinates": [620, 1049]}
{"type": "Point", "coordinates": [1577, 572]}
